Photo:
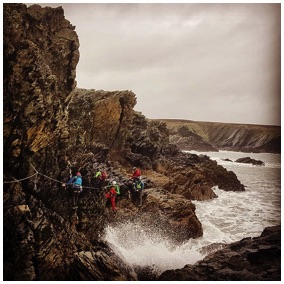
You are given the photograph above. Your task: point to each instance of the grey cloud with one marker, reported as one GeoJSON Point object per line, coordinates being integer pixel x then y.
{"type": "Point", "coordinates": [213, 62]}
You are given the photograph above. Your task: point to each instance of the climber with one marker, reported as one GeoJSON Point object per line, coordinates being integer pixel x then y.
{"type": "Point", "coordinates": [103, 179]}
{"type": "Point", "coordinates": [117, 189]}
{"type": "Point", "coordinates": [136, 174]}
{"type": "Point", "coordinates": [112, 194]}
{"type": "Point", "coordinates": [129, 188]}
{"type": "Point", "coordinates": [115, 186]}
{"type": "Point", "coordinates": [76, 182]}
{"type": "Point", "coordinates": [96, 178]}
{"type": "Point", "coordinates": [138, 187]}
{"type": "Point", "coordinates": [100, 179]}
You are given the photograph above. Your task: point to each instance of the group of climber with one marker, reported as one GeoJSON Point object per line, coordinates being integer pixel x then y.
{"type": "Point", "coordinates": [135, 187]}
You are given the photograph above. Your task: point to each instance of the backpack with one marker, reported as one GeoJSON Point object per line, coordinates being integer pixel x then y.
{"type": "Point", "coordinates": [103, 175]}
{"type": "Point", "coordinates": [139, 185]}
{"type": "Point", "coordinates": [117, 189]}
{"type": "Point", "coordinates": [98, 174]}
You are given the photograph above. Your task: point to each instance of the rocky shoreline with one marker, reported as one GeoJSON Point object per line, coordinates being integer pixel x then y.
{"type": "Point", "coordinates": [42, 131]}
{"type": "Point", "coordinates": [251, 259]}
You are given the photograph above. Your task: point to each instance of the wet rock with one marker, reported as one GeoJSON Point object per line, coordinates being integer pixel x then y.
{"type": "Point", "coordinates": [196, 179]}
{"type": "Point", "coordinates": [100, 266]}
{"type": "Point", "coordinates": [227, 160]}
{"type": "Point", "coordinates": [251, 259]}
{"type": "Point", "coordinates": [248, 160]}
{"type": "Point", "coordinates": [164, 213]}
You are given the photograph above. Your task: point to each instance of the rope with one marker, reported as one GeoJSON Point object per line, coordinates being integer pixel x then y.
{"type": "Point", "coordinates": [51, 178]}
{"type": "Point", "coordinates": [38, 173]}
{"type": "Point", "coordinates": [19, 180]}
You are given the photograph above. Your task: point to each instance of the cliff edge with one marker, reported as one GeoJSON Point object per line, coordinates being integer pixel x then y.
{"type": "Point", "coordinates": [214, 136]}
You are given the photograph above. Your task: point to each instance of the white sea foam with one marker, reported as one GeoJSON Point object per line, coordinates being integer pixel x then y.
{"type": "Point", "coordinates": [143, 249]}
{"type": "Point", "coordinates": [228, 218]}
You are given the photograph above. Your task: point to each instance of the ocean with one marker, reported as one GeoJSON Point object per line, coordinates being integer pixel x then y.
{"type": "Point", "coordinates": [226, 219]}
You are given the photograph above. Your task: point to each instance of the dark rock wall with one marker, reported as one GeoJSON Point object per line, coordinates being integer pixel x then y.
{"type": "Point", "coordinates": [106, 124]}
{"type": "Point", "coordinates": [40, 58]}
{"type": "Point", "coordinates": [40, 243]}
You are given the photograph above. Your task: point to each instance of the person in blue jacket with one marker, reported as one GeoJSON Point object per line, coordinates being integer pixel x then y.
{"type": "Point", "coordinates": [76, 182]}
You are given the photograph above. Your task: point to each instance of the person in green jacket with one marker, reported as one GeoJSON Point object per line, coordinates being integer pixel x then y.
{"type": "Point", "coordinates": [138, 188]}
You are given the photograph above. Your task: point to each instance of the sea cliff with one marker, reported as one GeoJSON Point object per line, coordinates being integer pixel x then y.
{"type": "Point", "coordinates": [47, 122]}
{"type": "Point", "coordinates": [214, 136]}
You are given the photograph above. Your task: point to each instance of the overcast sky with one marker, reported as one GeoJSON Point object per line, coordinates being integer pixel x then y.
{"type": "Point", "coordinates": [206, 62]}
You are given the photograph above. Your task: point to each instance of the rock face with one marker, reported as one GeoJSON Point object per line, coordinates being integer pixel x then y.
{"type": "Point", "coordinates": [48, 122]}
{"type": "Point", "coordinates": [196, 175]}
{"type": "Point", "coordinates": [120, 134]}
{"type": "Point", "coordinates": [209, 136]}
{"type": "Point", "coordinates": [186, 139]}
{"type": "Point", "coordinates": [40, 57]}
{"type": "Point", "coordinates": [248, 160]}
{"type": "Point", "coordinates": [110, 128]}
{"type": "Point", "coordinates": [251, 259]}
{"type": "Point", "coordinates": [40, 244]}
{"type": "Point", "coordinates": [171, 215]}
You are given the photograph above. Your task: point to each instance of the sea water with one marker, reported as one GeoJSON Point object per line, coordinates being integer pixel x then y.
{"type": "Point", "coordinates": [226, 219]}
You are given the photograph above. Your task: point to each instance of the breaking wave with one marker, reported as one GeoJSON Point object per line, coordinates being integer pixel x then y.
{"type": "Point", "coordinates": [226, 219]}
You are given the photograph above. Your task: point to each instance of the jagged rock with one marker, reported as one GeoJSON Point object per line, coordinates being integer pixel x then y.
{"type": "Point", "coordinates": [118, 134]}
{"type": "Point", "coordinates": [251, 259]}
{"type": "Point", "coordinates": [39, 78]}
{"type": "Point", "coordinates": [197, 177]}
{"type": "Point", "coordinates": [248, 160]}
{"type": "Point", "coordinates": [162, 211]}
{"type": "Point", "coordinates": [40, 57]}
{"type": "Point", "coordinates": [110, 128]}
{"type": "Point", "coordinates": [41, 245]}
{"type": "Point", "coordinates": [100, 265]}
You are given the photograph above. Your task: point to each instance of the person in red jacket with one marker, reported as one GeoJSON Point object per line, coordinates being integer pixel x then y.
{"type": "Point", "coordinates": [136, 174]}
{"type": "Point", "coordinates": [111, 196]}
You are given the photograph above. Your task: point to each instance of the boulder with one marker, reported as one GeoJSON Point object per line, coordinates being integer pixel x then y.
{"type": "Point", "coordinates": [251, 259]}
{"type": "Point", "coordinates": [248, 160]}
{"type": "Point", "coordinates": [198, 175]}
{"type": "Point", "coordinates": [169, 214]}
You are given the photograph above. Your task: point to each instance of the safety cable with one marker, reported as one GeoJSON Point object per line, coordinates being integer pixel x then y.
{"type": "Point", "coordinates": [38, 173]}
{"type": "Point", "coordinates": [19, 180]}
